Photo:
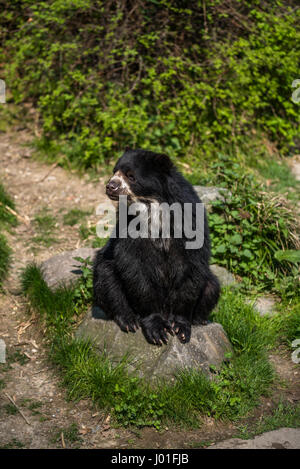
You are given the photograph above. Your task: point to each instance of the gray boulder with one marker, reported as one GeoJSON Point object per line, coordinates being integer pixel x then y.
{"type": "Point", "coordinates": [207, 346]}
{"type": "Point", "coordinates": [264, 305]}
{"type": "Point", "coordinates": [284, 438]}
{"type": "Point", "coordinates": [63, 268]}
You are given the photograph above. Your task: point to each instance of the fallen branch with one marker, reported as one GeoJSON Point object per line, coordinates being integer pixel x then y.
{"type": "Point", "coordinates": [18, 409]}
{"type": "Point", "coordinates": [49, 172]}
{"type": "Point", "coordinates": [13, 212]}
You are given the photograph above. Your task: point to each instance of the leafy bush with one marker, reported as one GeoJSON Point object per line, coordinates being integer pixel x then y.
{"type": "Point", "coordinates": [178, 76]}
{"type": "Point", "coordinates": [251, 227]}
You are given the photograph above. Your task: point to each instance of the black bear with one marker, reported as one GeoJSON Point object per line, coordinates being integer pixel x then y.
{"type": "Point", "coordinates": [153, 282]}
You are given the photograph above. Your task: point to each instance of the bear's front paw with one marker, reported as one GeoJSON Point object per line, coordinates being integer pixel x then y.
{"type": "Point", "coordinates": [182, 329]}
{"type": "Point", "coordinates": [155, 329]}
{"type": "Point", "coordinates": [127, 323]}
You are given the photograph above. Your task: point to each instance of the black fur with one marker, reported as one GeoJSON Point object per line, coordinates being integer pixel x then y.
{"type": "Point", "coordinates": [163, 288]}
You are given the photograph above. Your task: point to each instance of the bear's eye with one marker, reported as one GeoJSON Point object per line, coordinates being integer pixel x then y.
{"type": "Point", "coordinates": [130, 176]}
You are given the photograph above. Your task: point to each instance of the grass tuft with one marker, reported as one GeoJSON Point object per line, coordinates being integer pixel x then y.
{"type": "Point", "coordinates": [5, 258]}
{"type": "Point", "coordinates": [45, 226]}
{"type": "Point", "coordinates": [284, 415]}
{"type": "Point", "coordinates": [7, 220]}
{"type": "Point", "coordinates": [74, 216]}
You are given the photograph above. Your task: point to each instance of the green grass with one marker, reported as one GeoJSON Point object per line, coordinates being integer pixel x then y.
{"type": "Point", "coordinates": [280, 178]}
{"type": "Point", "coordinates": [234, 391]}
{"type": "Point", "coordinates": [249, 332]}
{"type": "Point", "coordinates": [45, 226]}
{"type": "Point", "coordinates": [284, 415]}
{"type": "Point", "coordinates": [5, 257]}
{"type": "Point", "coordinates": [16, 356]}
{"type": "Point", "coordinates": [287, 322]}
{"type": "Point", "coordinates": [10, 409]}
{"type": "Point", "coordinates": [7, 220]}
{"type": "Point", "coordinates": [13, 444]}
{"type": "Point", "coordinates": [74, 216]}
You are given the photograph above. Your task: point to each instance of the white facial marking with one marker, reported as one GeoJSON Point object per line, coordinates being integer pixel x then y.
{"type": "Point", "coordinates": [119, 177]}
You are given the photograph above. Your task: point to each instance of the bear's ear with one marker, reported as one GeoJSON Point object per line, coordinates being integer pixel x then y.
{"type": "Point", "coordinates": [163, 162]}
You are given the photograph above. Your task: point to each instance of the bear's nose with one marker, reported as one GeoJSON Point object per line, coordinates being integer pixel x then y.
{"type": "Point", "coordinates": [112, 186]}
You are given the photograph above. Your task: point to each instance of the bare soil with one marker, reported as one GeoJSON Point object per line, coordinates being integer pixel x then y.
{"type": "Point", "coordinates": [41, 417]}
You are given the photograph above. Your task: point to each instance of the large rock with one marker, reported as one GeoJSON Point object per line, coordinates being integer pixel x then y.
{"type": "Point", "coordinates": [225, 277]}
{"type": "Point", "coordinates": [63, 268]}
{"type": "Point", "coordinates": [284, 438]}
{"type": "Point", "coordinates": [210, 194]}
{"type": "Point", "coordinates": [207, 346]}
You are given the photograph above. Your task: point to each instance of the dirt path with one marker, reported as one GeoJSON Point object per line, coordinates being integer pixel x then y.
{"type": "Point", "coordinates": [28, 378]}
{"type": "Point", "coordinates": [48, 420]}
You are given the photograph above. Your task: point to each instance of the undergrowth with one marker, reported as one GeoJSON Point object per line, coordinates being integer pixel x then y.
{"type": "Point", "coordinates": [209, 74]}
{"type": "Point", "coordinates": [7, 220]}
{"type": "Point", "coordinates": [251, 227]}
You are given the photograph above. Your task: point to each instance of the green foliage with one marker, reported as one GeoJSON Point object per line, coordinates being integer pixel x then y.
{"type": "Point", "coordinates": [250, 227]}
{"type": "Point", "coordinates": [176, 76]}
{"type": "Point", "coordinates": [84, 289]}
{"type": "Point", "coordinates": [56, 309]}
{"type": "Point", "coordinates": [13, 444]}
{"type": "Point", "coordinates": [7, 220]}
{"type": "Point", "coordinates": [287, 323]}
{"type": "Point", "coordinates": [288, 255]}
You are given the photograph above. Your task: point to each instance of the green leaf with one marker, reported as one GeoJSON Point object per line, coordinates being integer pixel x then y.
{"type": "Point", "coordinates": [288, 255]}
{"type": "Point", "coordinates": [246, 253]}
{"type": "Point", "coordinates": [236, 239]}
{"type": "Point", "coordinates": [220, 249]}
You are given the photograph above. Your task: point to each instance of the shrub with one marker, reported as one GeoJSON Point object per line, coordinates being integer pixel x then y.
{"type": "Point", "coordinates": [251, 227]}
{"type": "Point", "coordinates": [178, 76]}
